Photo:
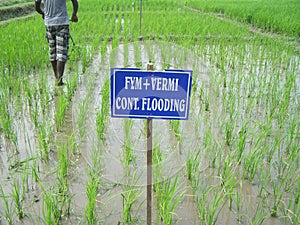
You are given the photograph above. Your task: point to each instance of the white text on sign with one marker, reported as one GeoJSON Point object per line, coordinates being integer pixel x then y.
{"type": "Point", "coordinates": [155, 83]}
{"type": "Point", "coordinates": [148, 104]}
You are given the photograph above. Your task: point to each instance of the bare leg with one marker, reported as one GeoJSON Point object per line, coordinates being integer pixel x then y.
{"type": "Point", "coordinates": [58, 69]}
{"type": "Point", "coordinates": [54, 66]}
{"type": "Point", "coordinates": [60, 72]}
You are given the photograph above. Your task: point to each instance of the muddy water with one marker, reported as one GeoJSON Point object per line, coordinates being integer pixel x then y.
{"type": "Point", "coordinates": [116, 176]}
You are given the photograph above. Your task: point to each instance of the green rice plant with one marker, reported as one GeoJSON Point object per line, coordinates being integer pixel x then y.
{"type": "Point", "coordinates": [72, 85]}
{"type": "Point", "coordinates": [209, 211]}
{"type": "Point", "coordinates": [241, 143]}
{"type": "Point", "coordinates": [25, 177]}
{"type": "Point", "coordinates": [60, 111]}
{"type": "Point", "coordinates": [277, 191]}
{"type": "Point", "coordinates": [175, 124]}
{"type": "Point", "coordinates": [83, 111]}
{"type": "Point", "coordinates": [292, 169]}
{"type": "Point", "coordinates": [18, 198]}
{"type": "Point", "coordinates": [294, 213]}
{"type": "Point", "coordinates": [6, 121]}
{"type": "Point", "coordinates": [168, 196]}
{"type": "Point", "coordinates": [129, 198]}
{"type": "Point", "coordinates": [92, 192]}
{"type": "Point", "coordinates": [259, 216]}
{"type": "Point", "coordinates": [34, 114]}
{"type": "Point", "coordinates": [73, 146]}
{"type": "Point", "coordinates": [229, 127]}
{"type": "Point", "coordinates": [44, 91]}
{"type": "Point", "coordinates": [50, 207]}
{"type": "Point", "coordinates": [157, 158]}
{"type": "Point", "coordinates": [295, 209]}
{"type": "Point", "coordinates": [251, 164]}
{"type": "Point", "coordinates": [239, 204]}
{"type": "Point", "coordinates": [192, 165]}
{"type": "Point", "coordinates": [44, 139]}
{"type": "Point", "coordinates": [291, 136]}
{"type": "Point", "coordinates": [50, 201]}
{"type": "Point", "coordinates": [9, 210]}
{"type": "Point", "coordinates": [274, 148]}
{"type": "Point", "coordinates": [104, 111]}
{"type": "Point", "coordinates": [286, 98]}
{"type": "Point", "coordinates": [92, 187]}
{"type": "Point", "coordinates": [128, 153]}
{"type": "Point", "coordinates": [228, 178]}
{"type": "Point", "coordinates": [204, 99]}
{"type": "Point", "coordinates": [264, 179]}
{"type": "Point", "coordinates": [62, 177]}
{"type": "Point", "coordinates": [103, 47]}
{"type": "Point", "coordinates": [208, 139]}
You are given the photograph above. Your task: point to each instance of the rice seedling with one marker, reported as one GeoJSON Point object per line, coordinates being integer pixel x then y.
{"type": "Point", "coordinates": [175, 124]}
{"type": "Point", "coordinates": [130, 197]}
{"type": "Point", "coordinates": [92, 187]}
{"type": "Point", "coordinates": [277, 189]}
{"type": "Point", "coordinates": [104, 111]}
{"type": "Point", "coordinates": [229, 126]}
{"type": "Point", "coordinates": [18, 198]}
{"type": "Point", "coordinates": [157, 170]}
{"type": "Point", "coordinates": [50, 207]}
{"type": "Point", "coordinates": [204, 99]}
{"type": "Point", "coordinates": [228, 178]}
{"type": "Point", "coordinates": [61, 107]}
{"type": "Point", "coordinates": [241, 143]}
{"type": "Point", "coordinates": [25, 177]}
{"type": "Point", "coordinates": [294, 208]}
{"type": "Point", "coordinates": [62, 176]}
{"type": "Point", "coordinates": [44, 137]}
{"type": "Point", "coordinates": [192, 165]}
{"type": "Point", "coordinates": [239, 204]}
{"type": "Point", "coordinates": [264, 178]}
{"type": "Point", "coordinates": [128, 152]}
{"type": "Point", "coordinates": [92, 192]}
{"type": "Point", "coordinates": [6, 121]}
{"type": "Point", "coordinates": [168, 192]}
{"type": "Point", "coordinates": [72, 85]}
{"type": "Point", "coordinates": [259, 216]}
{"type": "Point", "coordinates": [209, 211]}
{"type": "Point", "coordinates": [251, 164]}
{"type": "Point", "coordinates": [84, 110]}
{"type": "Point", "coordinates": [168, 195]}
{"type": "Point", "coordinates": [9, 210]}
{"type": "Point", "coordinates": [292, 168]}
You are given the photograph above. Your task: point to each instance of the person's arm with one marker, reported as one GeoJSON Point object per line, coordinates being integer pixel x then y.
{"type": "Point", "coordinates": [38, 8]}
{"type": "Point", "coordinates": [74, 17]}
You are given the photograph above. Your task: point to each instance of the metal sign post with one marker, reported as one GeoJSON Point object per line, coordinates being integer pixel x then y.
{"type": "Point", "coordinates": [149, 163]}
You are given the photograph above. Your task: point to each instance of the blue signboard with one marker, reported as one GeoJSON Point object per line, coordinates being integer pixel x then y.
{"type": "Point", "coordinates": [150, 94]}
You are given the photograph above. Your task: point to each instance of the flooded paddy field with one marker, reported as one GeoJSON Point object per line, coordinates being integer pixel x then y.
{"type": "Point", "coordinates": [64, 160]}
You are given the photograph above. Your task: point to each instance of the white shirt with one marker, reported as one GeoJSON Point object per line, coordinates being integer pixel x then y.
{"type": "Point", "coordinates": [55, 12]}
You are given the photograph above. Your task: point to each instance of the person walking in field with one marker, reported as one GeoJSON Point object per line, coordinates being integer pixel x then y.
{"type": "Point", "coordinates": [56, 19]}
